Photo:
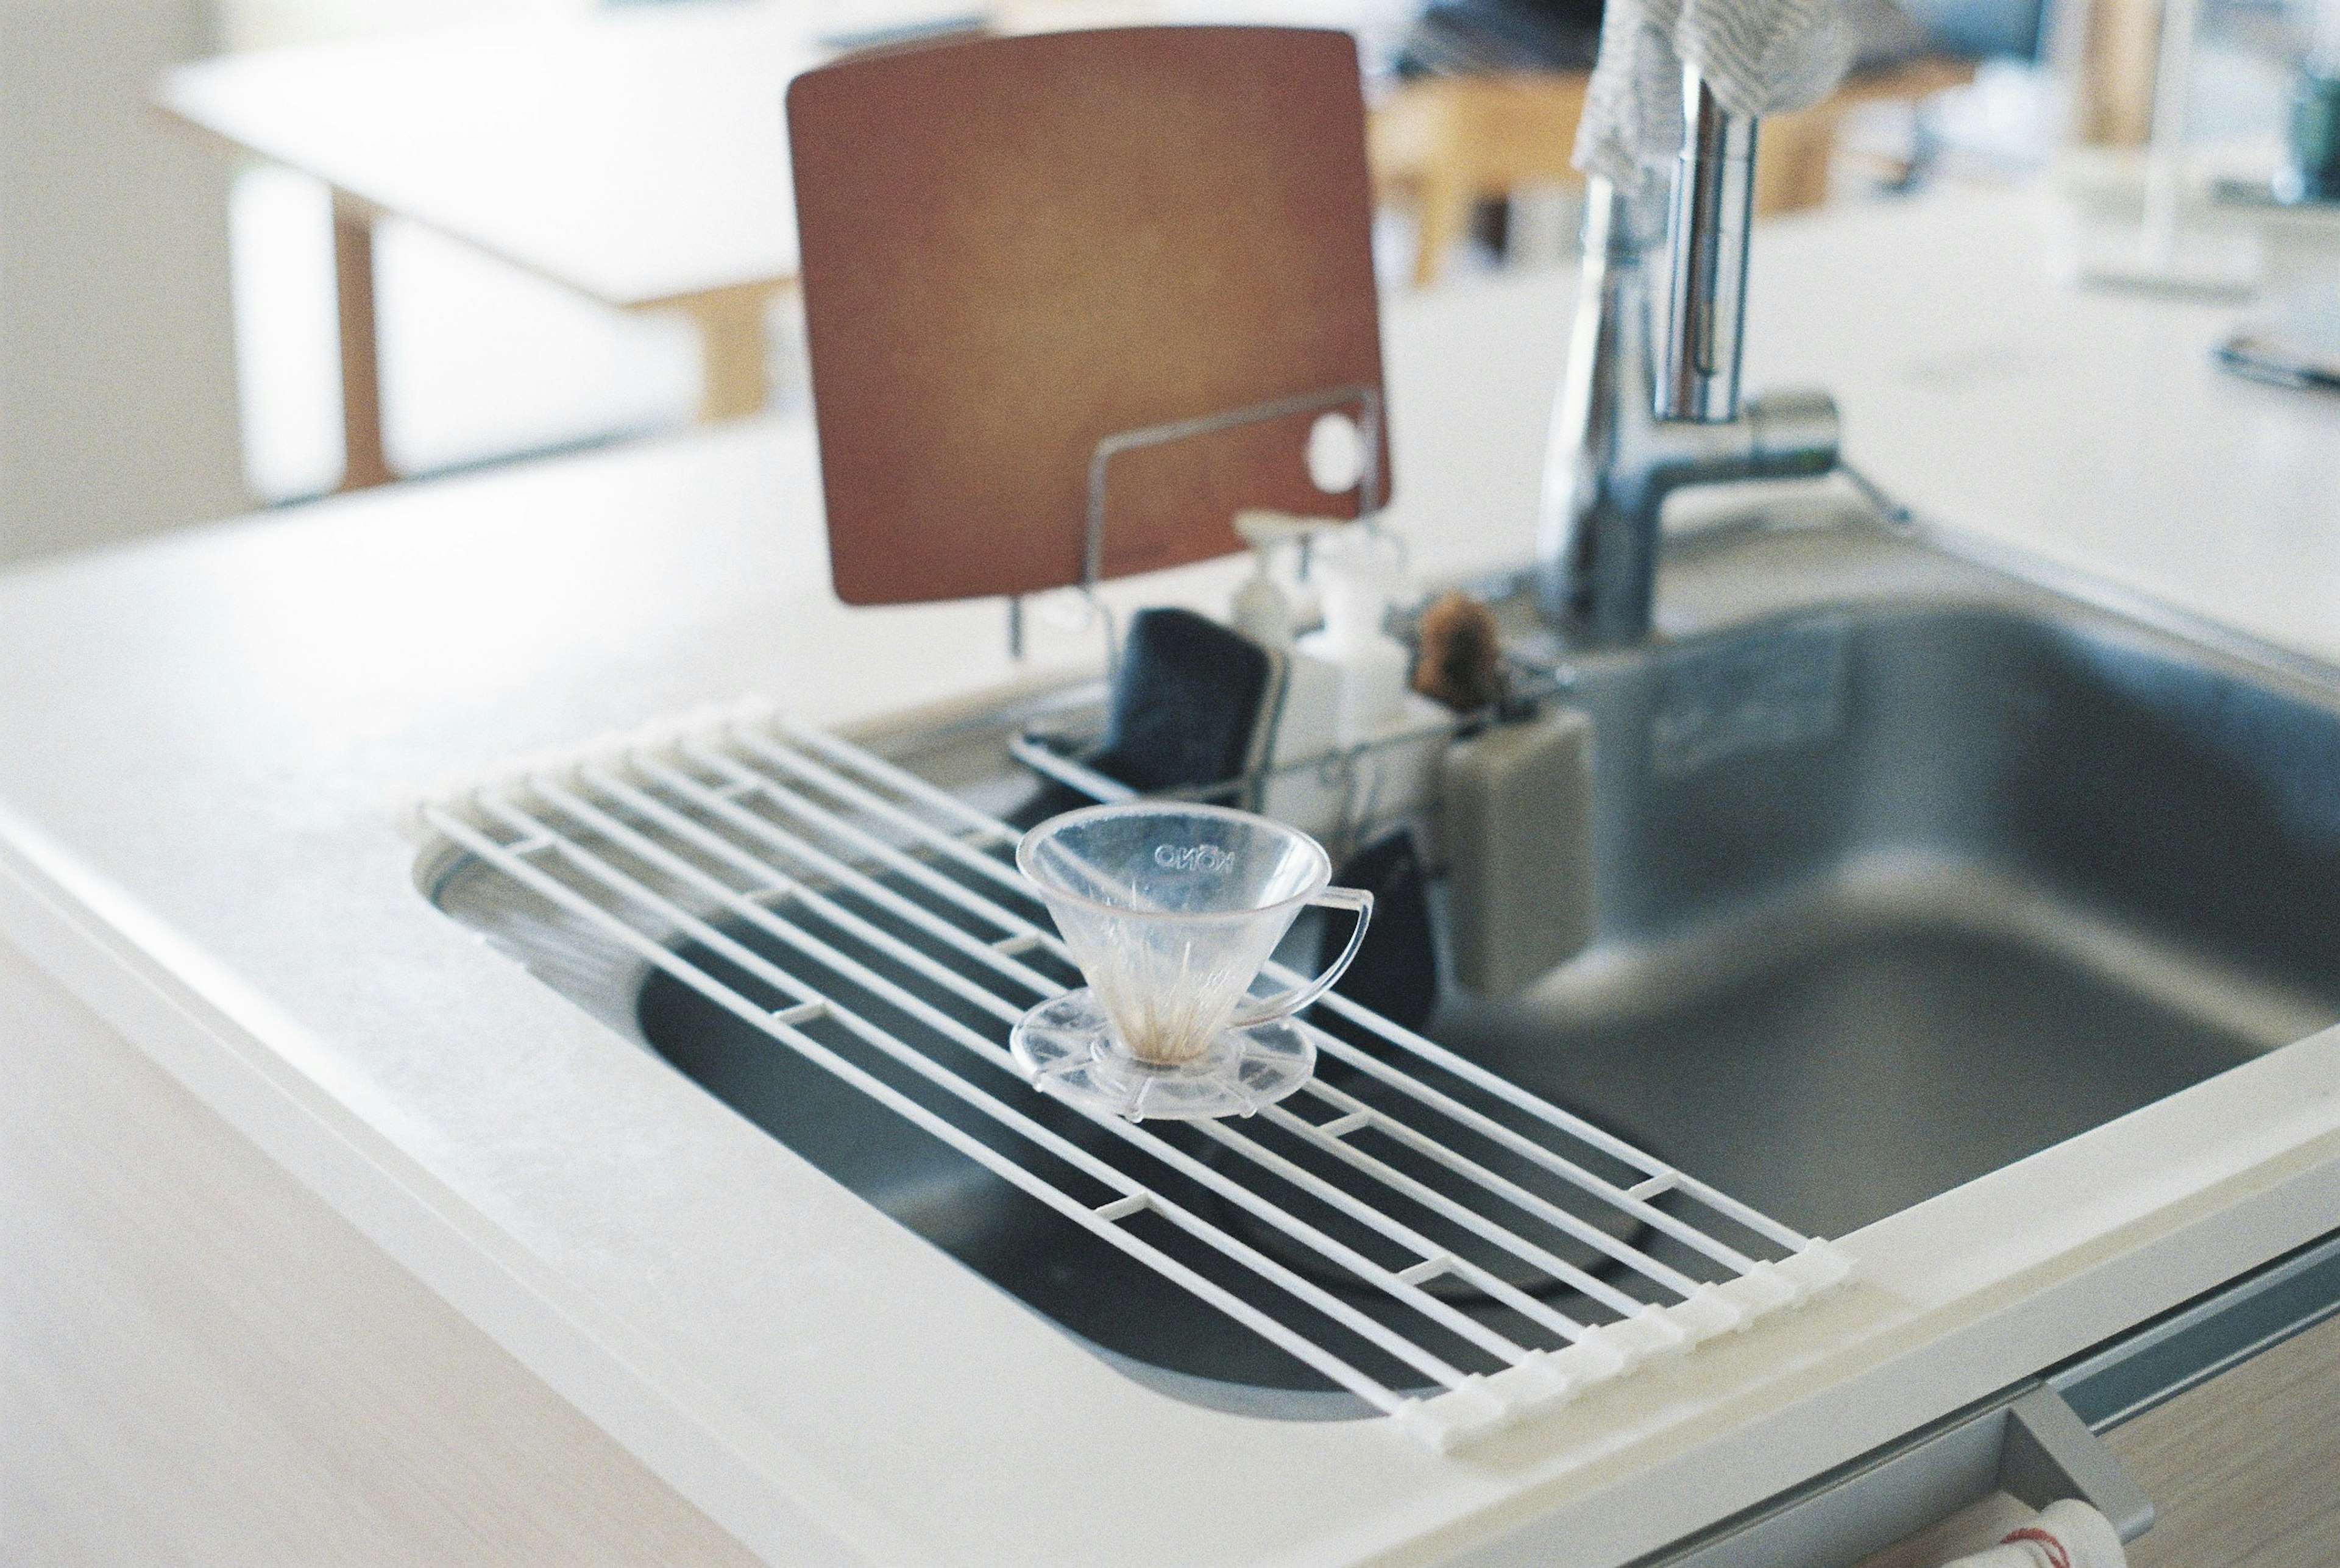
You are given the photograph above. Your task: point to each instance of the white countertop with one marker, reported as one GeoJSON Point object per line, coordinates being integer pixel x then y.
{"type": "Point", "coordinates": [210, 738]}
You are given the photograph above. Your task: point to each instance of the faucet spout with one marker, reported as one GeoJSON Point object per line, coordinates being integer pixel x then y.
{"type": "Point", "coordinates": [1613, 459]}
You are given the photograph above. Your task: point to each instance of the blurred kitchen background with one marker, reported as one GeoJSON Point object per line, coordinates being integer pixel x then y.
{"type": "Point", "coordinates": [169, 347]}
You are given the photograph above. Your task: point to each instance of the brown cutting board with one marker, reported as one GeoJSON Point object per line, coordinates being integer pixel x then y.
{"type": "Point", "coordinates": [1013, 247]}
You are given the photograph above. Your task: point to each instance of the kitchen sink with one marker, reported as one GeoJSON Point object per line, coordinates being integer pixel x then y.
{"type": "Point", "coordinates": [1892, 894]}
{"type": "Point", "coordinates": [1910, 863]}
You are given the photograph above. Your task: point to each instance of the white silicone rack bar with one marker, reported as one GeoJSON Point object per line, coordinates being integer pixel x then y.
{"type": "Point", "coordinates": [1487, 1254]}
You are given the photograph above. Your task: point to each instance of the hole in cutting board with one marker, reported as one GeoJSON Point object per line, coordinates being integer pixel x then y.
{"type": "Point", "coordinates": [1336, 454]}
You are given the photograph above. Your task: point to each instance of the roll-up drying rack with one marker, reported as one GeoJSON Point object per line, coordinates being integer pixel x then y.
{"type": "Point", "coordinates": [1437, 1241]}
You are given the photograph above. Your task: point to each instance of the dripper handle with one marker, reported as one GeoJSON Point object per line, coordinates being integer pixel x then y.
{"type": "Point", "coordinates": [1283, 1004]}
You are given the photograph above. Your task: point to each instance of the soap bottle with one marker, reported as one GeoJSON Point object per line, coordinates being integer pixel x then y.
{"type": "Point", "coordinates": [1261, 611]}
{"type": "Point", "coordinates": [1357, 576]}
{"type": "Point", "coordinates": [1299, 790]}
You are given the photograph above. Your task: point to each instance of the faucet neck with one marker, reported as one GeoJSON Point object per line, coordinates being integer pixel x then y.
{"type": "Point", "coordinates": [1713, 206]}
{"type": "Point", "coordinates": [1612, 460]}
{"type": "Point", "coordinates": [1589, 571]}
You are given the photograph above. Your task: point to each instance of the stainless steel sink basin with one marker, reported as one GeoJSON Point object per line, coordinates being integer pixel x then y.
{"type": "Point", "coordinates": [1906, 867]}
{"type": "Point", "coordinates": [1895, 893]}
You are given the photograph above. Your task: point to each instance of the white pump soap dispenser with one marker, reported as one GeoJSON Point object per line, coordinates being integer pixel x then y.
{"type": "Point", "coordinates": [1263, 610]}
{"type": "Point", "coordinates": [1358, 574]}
{"type": "Point", "coordinates": [1393, 737]}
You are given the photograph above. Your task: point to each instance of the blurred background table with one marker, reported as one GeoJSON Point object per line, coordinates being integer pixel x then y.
{"type": "Point", "coordinates": [638, 158]}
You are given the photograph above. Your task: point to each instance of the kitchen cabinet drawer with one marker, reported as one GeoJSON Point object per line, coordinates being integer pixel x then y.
{"type": "Point", "coordinates": [2214, 1430]}
{"type": "Point", "coordinates": [2245, 1470]}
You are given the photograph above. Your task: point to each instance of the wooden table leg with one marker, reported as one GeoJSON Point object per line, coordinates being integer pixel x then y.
{"type": "Point", "coordinates": [364, 463]}
{"type": "Point", "coordinates": [734, 375]}
{"type": "Point", "coordinates": [1444, 219]}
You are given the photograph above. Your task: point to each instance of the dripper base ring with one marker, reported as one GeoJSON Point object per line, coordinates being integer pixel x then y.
{"type": "Point", "coordinates": [1066, 1047]}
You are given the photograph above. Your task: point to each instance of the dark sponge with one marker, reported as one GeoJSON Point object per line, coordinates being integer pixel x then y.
{"type": "Point", "coordinates": [1185, 703]}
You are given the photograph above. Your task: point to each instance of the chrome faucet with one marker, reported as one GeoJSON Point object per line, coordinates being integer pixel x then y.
{"type": "Point", "coordinates": [1630, 427]}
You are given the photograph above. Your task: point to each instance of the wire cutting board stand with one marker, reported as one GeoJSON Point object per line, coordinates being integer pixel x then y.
{"type": "Point", "coordinates": [1367, 487]}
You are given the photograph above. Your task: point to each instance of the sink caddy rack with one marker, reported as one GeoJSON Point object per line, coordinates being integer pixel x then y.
{"type": "Point", "coordinates": [1055, 746]}
{"type": "Point", "coordinates": [907, 932]}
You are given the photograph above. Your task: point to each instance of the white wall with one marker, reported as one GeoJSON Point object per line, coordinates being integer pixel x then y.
{"type": "Point", "coordinates": [117, 385]}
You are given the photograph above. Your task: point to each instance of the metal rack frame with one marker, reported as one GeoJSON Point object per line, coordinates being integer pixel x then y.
{"type": "Point", "coordinates": [649, 840]}
{"type": "Point", "coordinates": [1368, 488]}
{"type": "Point", "coordinates": [1045, 751]}
{"type": "Point", "coordinates": [1367, 398]}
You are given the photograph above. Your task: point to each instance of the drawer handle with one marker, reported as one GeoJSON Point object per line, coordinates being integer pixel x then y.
{"type": "Point", "coordinates": [2030, 1445]}
{"type": "Point", "coordinates": [2049, 1455]}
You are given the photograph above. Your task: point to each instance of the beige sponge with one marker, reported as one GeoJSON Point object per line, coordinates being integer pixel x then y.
{"type": "Point", "coordinates": [1519, 844]}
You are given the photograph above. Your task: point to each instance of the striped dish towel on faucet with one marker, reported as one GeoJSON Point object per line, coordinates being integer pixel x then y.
{"type": "Point", "coordinates": [1756, 57]}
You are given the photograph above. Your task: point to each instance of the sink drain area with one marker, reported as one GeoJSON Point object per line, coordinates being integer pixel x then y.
{"type": "Point", "coordinates": [839, 949]}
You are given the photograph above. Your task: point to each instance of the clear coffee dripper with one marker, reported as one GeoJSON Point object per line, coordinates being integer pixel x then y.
{"type": "Point", "coordinates": [1170, 909]}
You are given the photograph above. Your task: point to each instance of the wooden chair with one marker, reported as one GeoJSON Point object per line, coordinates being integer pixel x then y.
{"type": "Point", "coordinates": [1442, 144]}
{"type": "Point", "coordinates": [1793, 151]}
{"type": "Point", "coordinates": [2119, 48]}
